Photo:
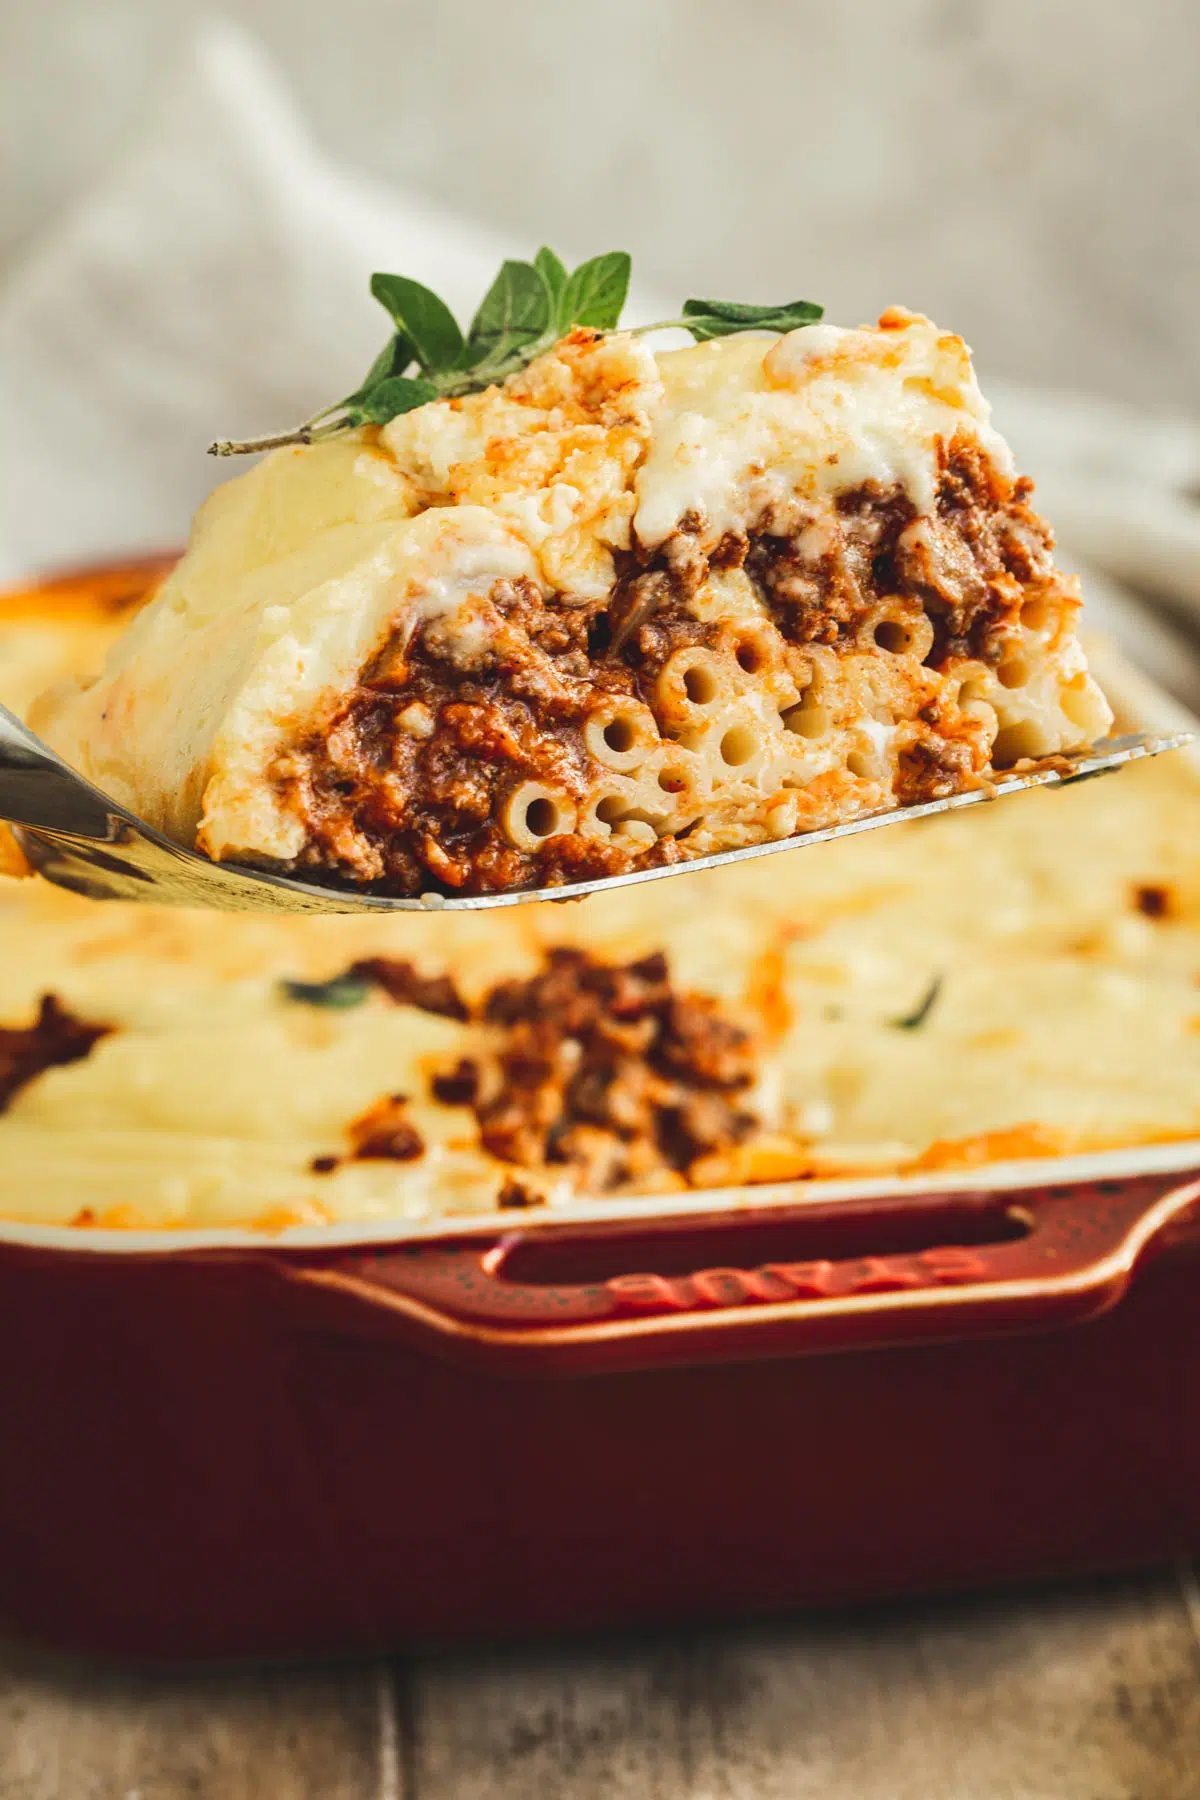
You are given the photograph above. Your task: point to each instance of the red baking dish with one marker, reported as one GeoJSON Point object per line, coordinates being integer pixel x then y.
{"type": "Point", "coordinates": [219, 1444]}
{"type": "Point", "coordinates": [751, 1403]}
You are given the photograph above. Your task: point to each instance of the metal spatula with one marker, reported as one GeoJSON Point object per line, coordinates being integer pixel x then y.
{"type": "Point", "coordinates": [79, 838]}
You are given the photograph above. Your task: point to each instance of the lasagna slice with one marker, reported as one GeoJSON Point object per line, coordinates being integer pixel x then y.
{"type": "Point", "coordinates": [625, 609]}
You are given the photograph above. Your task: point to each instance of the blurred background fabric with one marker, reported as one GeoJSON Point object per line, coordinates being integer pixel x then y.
{"type": "Point", "coordinates": [193, 203]}
{"type": "Point", "coordinates": [1025, 169]}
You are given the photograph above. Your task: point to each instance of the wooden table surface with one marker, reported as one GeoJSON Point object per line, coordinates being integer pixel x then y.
{"type": "Point", "coordinates": [1081, 1693]}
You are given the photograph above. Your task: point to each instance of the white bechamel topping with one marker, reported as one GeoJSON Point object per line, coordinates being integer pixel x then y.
{"type": "Point", "coordinates": [463, 552]}
{"type": "Point", "coordinates": [813, 413]}
{"type": "Point", "coordinates": [267, 652]}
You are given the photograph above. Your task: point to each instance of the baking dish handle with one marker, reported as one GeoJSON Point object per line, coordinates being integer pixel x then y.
{"type": "Point", "coordinates": [851, 1274]}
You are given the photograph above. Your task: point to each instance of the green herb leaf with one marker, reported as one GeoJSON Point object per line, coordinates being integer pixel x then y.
{"type": "Point", "coordinates": [741, 312]}
{"type": "Point", "coordinates": [425, 318]}
{"type": "Point", "coordinates": [339, 992]}
{"type": "Point", "coordinates": [388, 399]}
{"type": "Point", "coordinates": [721, 318]}
{"type": "Point", "coordinates": [393, 359]}
{"type": "Point", "coordinates": [553, 272]}
{"type": "Point", "coordinates": [914, 1020]}
{"type": "Point", "coordinates": [513, 315]}
{"type": "Point", "coordinates": [595, 294]}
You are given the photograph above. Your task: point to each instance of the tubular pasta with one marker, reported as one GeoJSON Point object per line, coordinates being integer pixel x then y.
{"type": "Point", "coordinates": [535, 811]}
{"type": "Point", "coordinates": [621, 734]}
{"type": "Point", "coordinates": [691, 684]}
{"type": "Point", "coordinates": [897, 626]}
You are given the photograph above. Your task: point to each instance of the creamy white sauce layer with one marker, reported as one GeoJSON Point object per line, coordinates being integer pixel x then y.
{"type": "Point", "coordinates": [815, 412]}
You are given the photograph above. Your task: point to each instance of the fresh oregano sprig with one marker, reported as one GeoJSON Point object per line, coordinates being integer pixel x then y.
{"type": "Point", "coordinates": [528, 307]}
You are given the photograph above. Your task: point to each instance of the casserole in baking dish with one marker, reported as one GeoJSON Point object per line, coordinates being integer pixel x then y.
{"type": "Point", "coordinates": [256, 1405]}
{"type": "Point", "coordinates": [1020, 982]}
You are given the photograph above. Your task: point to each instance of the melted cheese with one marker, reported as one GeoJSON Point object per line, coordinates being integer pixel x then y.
{"type": "Point", "coordinates": [1062, 1007]}
{"type": "Point", "coordinates": [815, 412]}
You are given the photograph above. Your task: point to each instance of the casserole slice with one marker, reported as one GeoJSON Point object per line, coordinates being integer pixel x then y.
{"type": "Point", "coordinates": [624, 608]}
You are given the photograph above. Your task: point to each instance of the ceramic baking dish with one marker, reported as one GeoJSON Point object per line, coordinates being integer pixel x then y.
{"type": "Point", "coordinates": [220, 1444]}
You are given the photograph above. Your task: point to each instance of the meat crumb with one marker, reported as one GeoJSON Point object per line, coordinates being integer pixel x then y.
{"type": "Point", "coordinates": [404, 984]}
{"type": "Point", "coordinates": [516, 1194]}
{"type": "Point", "coordinates": [56, 1037]}
{"type": "Point", "coordinates": [460, 1085]}
{"type": "Point", "coordinates": [386, 1133]}
{"type": "Point", "coordinates": [1153, 900]}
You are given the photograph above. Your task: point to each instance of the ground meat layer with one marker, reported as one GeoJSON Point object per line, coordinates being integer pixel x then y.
{"type": "Point", "coordinates": [603, 1069]}
{"type": "Point", "coordinates": [404, 789]}
{"type": "Point", "coordinates": [607, 1069]}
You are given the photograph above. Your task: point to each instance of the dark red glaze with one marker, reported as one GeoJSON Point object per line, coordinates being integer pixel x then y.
{"type": "Point", "coordinates": [272, 1453]}
{"type": "Point", "coordinates": [764, 1281]}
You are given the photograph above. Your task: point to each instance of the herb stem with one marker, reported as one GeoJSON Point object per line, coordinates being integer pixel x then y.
{"type": "Point", "coordinates": [661, 325]}
{"type": "Point", "coordinates": [252, 446]}
{"type": "Point", "coordinates": [313, 431]}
